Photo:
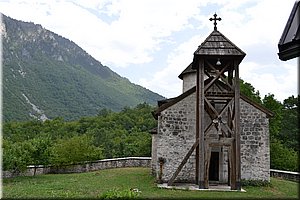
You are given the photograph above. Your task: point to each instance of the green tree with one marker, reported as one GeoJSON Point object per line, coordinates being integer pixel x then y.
{"type": "Point", "coordinates": [59, 142]}
{"type": "Point", "coordinates": [74, 150]}
{"type": "Point", "coordinates": [248, 90]}
{"type": "Point", "coordinates": [282, 157]}
{"type": "Point", "coordinates": [17, 155]}
{"type": "Point", "coordinates": [276, 107]}
{"type": "Point", "coordinates": [289, 133]}
{"type": "Point", "coordinates": [41, 154]}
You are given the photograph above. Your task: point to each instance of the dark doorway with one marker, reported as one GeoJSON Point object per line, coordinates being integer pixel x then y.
{"type": "Point", "coordinates": [214, 167]}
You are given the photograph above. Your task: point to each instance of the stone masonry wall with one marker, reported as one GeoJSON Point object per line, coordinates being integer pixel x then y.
{"type": "Point", "coordinates": [175, 137]}
{"type": "Point", "coordinates": [84, 167]}
{"type": "Point", "coordinates": [255, 152]}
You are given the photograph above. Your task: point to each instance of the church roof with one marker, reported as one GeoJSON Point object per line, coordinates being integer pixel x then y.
{"type": "Point", "coordinates": [289, 43]}
{"type": "Point", "coordinates": [216, 44]}
{"type": "Point", "coordinates": [187, 70]}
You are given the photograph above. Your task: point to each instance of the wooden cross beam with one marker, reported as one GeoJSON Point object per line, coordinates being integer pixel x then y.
{"type": "Point", "coordinates": [218, 74]}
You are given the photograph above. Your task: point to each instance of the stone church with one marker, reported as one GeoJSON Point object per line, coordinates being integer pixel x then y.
{"type": "Point", "coordinates": [234, 136]}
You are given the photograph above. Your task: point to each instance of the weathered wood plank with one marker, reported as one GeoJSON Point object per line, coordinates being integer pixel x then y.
{"type": "Point", "coordinates": [233, 167]}
{"type": "Point", "coordinates": [237, 126]}
{"type": "Point", "coordinates": [197, 127]}
{"type": "Point", "coordinates": [220, 142]}
{"type": "Point", "coordinates": [206, 164]}
{"type": "Point", "coordinates": [201, 124]}
{"type": "Point", "coordinates": [218, 74]}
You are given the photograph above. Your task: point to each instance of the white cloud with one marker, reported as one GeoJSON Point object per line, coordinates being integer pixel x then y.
{"type": "Point", "coordinates": [131, 39]}
{"type": "Point", "coordinates": [274, 79]}
{"type": "Point", "coordinates": [124, 33]}
{"type": "Point", "coordinates": [166, 81]}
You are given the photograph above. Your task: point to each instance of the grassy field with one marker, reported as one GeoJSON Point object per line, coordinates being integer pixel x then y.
{"type": "Point", "coordinates": [95, 184]}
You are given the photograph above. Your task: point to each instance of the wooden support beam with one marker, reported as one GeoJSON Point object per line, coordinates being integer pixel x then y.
{"type": "Point", "coordinates": [197, 127]}
{"type": "Point", "coordinates": [213, 111]}
{"type": "Point", "coordinates": [206, 164]}
{"type": "Point", "coordinates": [229, 120]}
{"type": "Point", "coordinates": [233, 167]}
{"type": "Point", "coordinates": [230, 76]}
{"type": "Point", "coordinates": [215, 97]}
{"type": "Point", "coordinates": [221, 75]}
{"type": "Point", "coordinates": [208, 128]}
{"type": "Point", "coordinates": [228, 166]}
{"type": "Point", "coordinates": [230, 132]}
{"type": "Point", "coordinates": [225, 107]}
{"type": "Point", "coordinates": [201, 124]}
{"type": "Point", "coordinates": [218, 74]}
{"type": "Point", "coordinates": [222, 142]}
{"type": "Point", "coordinates": [227, 83]}
{"type": "Point", "coordinates": [183, 162]}
{"type": "Point", "coordinates": [237, 126]}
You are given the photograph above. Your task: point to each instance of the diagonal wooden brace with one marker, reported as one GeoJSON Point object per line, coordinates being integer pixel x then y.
{"type": "Point", "coordinates": [183, 162]}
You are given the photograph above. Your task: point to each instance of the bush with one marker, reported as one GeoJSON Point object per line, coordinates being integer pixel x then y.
{"type": "Point", "coordinates": [283, 158]}
{"type": "Point", "coordinates": [74, 150]}
{"type": "Point", "coordinates": [16, 156]}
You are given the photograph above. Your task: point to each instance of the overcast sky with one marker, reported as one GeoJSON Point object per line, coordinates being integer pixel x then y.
{"type": "Point", "coordinates": [151, 42]}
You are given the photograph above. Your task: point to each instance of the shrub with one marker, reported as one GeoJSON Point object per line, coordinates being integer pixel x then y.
{"type": "Point", "coordinates": [16, 156]}
{"type": "Point", "coordinates": [74, 150]}
{"type": "Point", "coordinates": [283, 158]}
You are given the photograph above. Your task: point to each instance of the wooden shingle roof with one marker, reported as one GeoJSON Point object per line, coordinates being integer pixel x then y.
{"type": "Point", "coordinates": [216, 44]}
{"type": "Point", "coordinates": [187, 70]}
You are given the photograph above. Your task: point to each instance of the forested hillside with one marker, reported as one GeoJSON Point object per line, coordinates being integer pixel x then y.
{"type": "Point", "coordinates": [58, 142]}
{"type": "Point", "coordinates": [62, 106]}
{"type": "Point", "coordinates": [126, 133]}
{"type": "Point", "coordinates": [47, 76]}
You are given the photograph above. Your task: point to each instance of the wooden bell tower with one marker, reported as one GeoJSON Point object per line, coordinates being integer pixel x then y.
{"type": "Point", "coordinates": [218, 59]}
{"type": "Point", "coordinates": [217, 62]}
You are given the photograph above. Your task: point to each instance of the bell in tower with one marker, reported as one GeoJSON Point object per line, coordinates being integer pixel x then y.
{"type": "Point", "coordinates": [198, 135]}
{"type": "Point", "coordinates": [218, 96]}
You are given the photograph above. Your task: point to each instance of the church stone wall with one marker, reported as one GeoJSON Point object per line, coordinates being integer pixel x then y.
{"type": "Point", "coordinates": [175, 137]}
{"type": "Point", "coordinates": [255, 152]}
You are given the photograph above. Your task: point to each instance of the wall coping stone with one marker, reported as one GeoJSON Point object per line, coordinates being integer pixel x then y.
{"type": "Point", "coordinates": [286, 172]}
{"type": "Point", "coordinates": [286, 175]}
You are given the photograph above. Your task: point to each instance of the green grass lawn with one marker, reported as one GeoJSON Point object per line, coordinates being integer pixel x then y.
{"type": "Point", "coordinates": [94, 184]}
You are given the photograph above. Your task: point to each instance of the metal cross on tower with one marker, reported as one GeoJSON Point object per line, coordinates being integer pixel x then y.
{"type": "Point", "coordinates": [215, 20]}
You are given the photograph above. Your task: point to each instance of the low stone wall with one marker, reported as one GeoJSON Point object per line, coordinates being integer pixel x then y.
{"type": "Point", "coordinates": [116, 163]}
{"type": "Point", "coordinates": [83, 167]}
{"type": "Point", "coordinates": [287, 175]}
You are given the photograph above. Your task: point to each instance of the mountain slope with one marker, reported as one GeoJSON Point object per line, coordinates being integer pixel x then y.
{"type": "Point", "coordinates": [48, 76]}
